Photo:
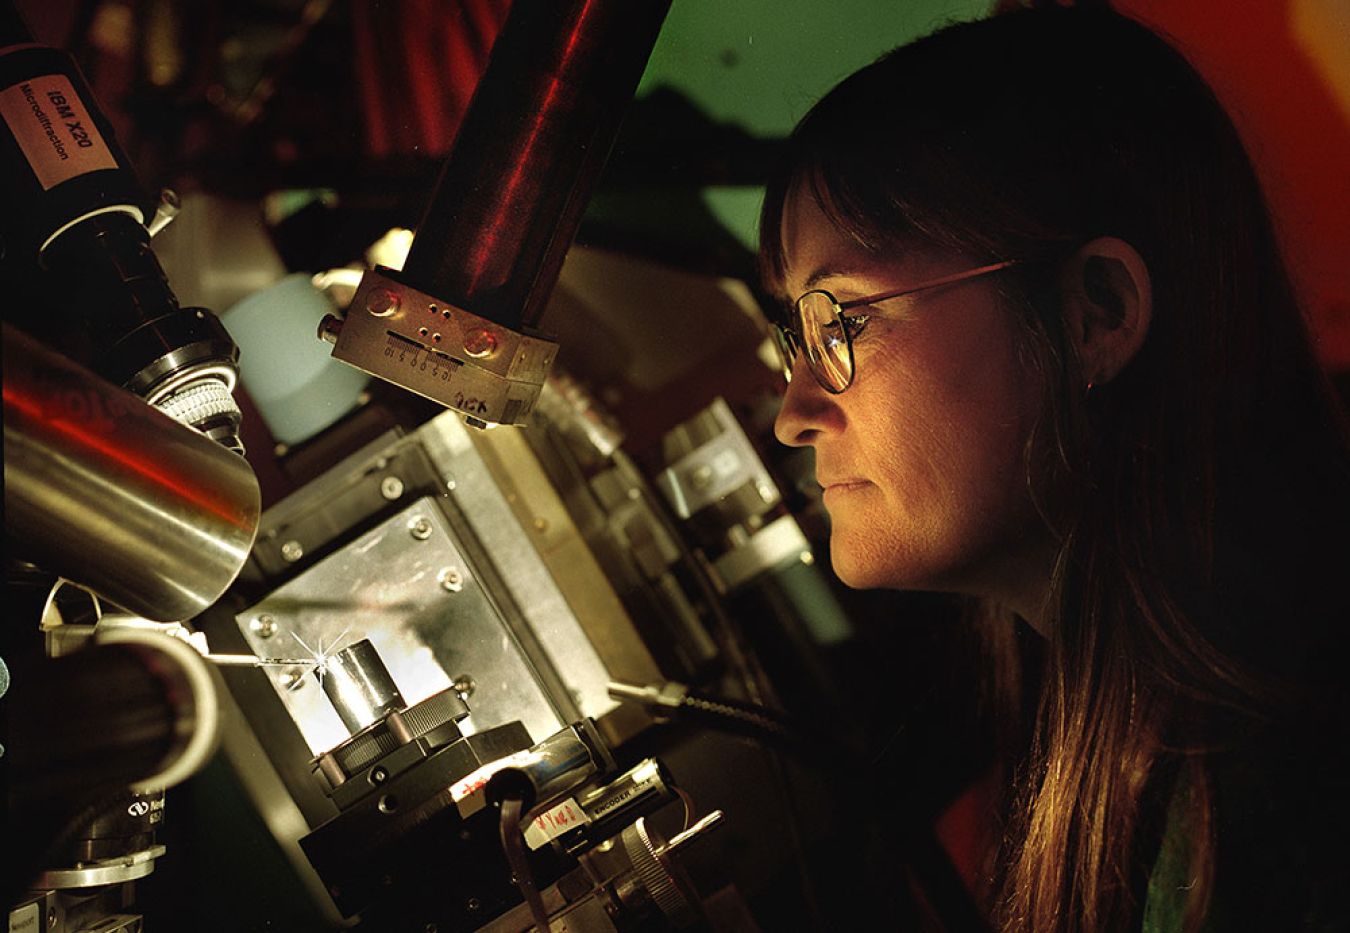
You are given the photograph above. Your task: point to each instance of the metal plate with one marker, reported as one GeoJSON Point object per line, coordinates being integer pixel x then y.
{"type": "Point", "coordinates": [406, 586]}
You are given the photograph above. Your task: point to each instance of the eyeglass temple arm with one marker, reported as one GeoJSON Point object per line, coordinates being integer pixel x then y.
{"type": "Point", "coordinates": [923, 286]}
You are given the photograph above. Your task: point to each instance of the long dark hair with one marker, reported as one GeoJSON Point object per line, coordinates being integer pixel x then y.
{"type": "Point", "coordinates": [1199, 498]}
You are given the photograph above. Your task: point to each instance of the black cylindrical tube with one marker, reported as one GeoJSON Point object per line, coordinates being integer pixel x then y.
{"type": "Point", "coordinates": [529, 153]}
{"type": "Point", "coordinates": [74, 221]}
{"type": "Point", "coordinates": [60, 159]}
{"type": "Point", "coordinates": [102, 717]}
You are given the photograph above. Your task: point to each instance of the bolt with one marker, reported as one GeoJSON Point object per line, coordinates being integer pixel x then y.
{"type": "Point", "coordinates": [452, 581]}
{"type": "Point", "coordinates": [480, 343]}
{"type": "Point", "coordinates": [464, 685]}
{"type": "Point", "coordinates": [378, 775]}
{"type": "Point", "coordinates": [420, 528]}
{"type": "Point", "coordinates": [330, 328]}
{"type": "Point", "coordinates": [391, 487]}
{"type": "Point", "coordinates": [264, 626]}
{"type": "Point", "coordinates": [382, 302]}
{"type": "Point", "coordinates": [292, 551]}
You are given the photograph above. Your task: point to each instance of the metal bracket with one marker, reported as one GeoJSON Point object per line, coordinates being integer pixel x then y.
{"type": "Point", "coordinates": [486, 372]}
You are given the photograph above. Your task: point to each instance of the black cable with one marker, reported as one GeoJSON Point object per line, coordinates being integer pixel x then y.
{"type": "Point", "coordinates": [513, 844]}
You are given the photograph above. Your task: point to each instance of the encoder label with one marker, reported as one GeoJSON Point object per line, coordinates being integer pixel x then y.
{"type": "Point", "coordinates": [54, 129]}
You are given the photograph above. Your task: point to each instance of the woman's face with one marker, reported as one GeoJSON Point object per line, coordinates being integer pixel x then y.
{"type": "Point", "coordinates": [921, 458]}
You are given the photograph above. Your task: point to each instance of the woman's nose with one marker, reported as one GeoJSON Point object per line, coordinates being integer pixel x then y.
{"type": "Point", "coordinates": [806, 410]}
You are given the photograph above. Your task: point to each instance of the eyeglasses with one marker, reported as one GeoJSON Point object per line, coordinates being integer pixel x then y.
{"type": "Point", "coordinates": [819, 326]}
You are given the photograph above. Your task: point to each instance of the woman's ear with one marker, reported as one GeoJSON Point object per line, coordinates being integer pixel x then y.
{"type": "Point", "coordinates": [1108, 305]}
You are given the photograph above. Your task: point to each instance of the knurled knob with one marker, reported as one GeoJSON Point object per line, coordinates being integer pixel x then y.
{"type": "Point", "coordinates": [200, 402]}
{"type": "Point", "coordinates": [655, 877]}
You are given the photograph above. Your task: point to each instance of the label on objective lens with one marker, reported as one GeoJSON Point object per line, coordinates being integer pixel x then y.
{"type": "Point", "coordinates": [54, 129]}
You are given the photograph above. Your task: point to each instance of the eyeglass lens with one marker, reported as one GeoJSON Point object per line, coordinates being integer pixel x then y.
{"type": "Point", "coordinates": [827, 347]}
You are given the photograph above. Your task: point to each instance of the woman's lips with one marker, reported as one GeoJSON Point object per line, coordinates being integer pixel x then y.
{"type": "Point", "coordinates": [843, 487]}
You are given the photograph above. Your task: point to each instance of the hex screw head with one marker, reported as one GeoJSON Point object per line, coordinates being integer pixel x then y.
{"type": "Point", "coordinates": [264, 626]}
{"type": "Point", "coordinates": [420, 528]}
{"type": "Point", "coordinates": [391, 487]}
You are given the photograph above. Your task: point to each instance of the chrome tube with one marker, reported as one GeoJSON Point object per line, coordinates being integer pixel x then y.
{"type": "Point", "coordinates": [359, 686]}
{"type": "Point", "coordinates": [114, 495]}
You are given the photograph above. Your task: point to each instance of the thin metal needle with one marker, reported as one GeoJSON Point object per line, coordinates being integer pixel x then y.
{"type": "Point", "coordinates": [248, 660]}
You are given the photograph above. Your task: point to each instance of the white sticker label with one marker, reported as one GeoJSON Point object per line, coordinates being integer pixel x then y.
{"type": "Point", "coordinates": [467, 791]}
{"type": "Point", "coordinates": [553, 822]}
{"type": "Point", "coordinates": [54, 130]}
{"type": "Point", "coordinates": [25, 920]}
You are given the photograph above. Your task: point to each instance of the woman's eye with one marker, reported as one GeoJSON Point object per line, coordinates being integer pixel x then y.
{"type": "Point", "coordinates": [855, 324]}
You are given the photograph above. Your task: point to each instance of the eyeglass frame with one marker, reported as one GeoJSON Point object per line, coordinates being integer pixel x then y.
{"type": "Point", "coordinates": [790, 341]}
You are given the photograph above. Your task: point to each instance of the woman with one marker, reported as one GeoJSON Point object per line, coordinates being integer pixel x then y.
{"type": "Point", "coordinates": [1046, 351]}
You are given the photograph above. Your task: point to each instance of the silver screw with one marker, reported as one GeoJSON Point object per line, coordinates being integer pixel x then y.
{"type": "Point", "coordinates": [420, 528]}
{"type": "Point", "coordinates": [264, 626]}
{"type": "Point", "coordinates": [292, 551]}
{"type": "Point", "coordinates": [452, 581]}
{"type": "Point", "coordinates": [464, 685]}
{"type": "Point", "coordinates": [391, 487]}
{"type": "Point", "coordinates": [330, 329]}
{"type": "Point", "coordinates": [292, 678]}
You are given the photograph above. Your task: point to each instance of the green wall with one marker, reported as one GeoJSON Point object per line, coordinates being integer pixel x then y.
{"type": "Point", "coordinates": [760, 64]}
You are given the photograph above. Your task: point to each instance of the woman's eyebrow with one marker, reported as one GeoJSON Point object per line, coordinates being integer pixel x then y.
{"type": "Point", "coordinates": [830, 272]}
